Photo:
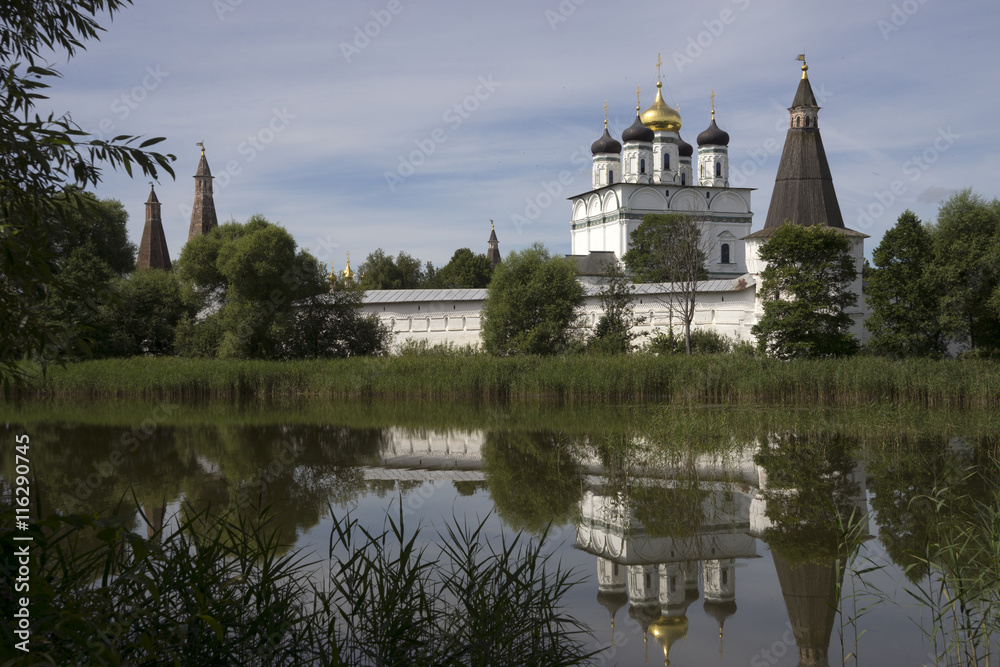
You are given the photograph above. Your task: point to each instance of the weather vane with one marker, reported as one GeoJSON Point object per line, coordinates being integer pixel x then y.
{"type": "Point", "coordinates": [202, 144]}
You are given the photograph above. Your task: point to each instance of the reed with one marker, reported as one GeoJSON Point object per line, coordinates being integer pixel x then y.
{"type": "Point", "coordinates": [222, 590]}
{"type": "Point", "coordinates": [727, 378]}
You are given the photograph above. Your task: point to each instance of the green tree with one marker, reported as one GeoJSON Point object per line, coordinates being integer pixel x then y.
{"type": "Point", "coordinates": [903, 303]}
{"type": "Point", "coordinates": [253, 274]}
{"type": "Point", "coordinates": [806, 288]}
{"type": "Point", "coordinates": [670, 249]}
{"type": "Point", "coordinates": [465, 269]}
{"type": "Point", "coordinates": [380, 271]}
{"type": "Point", "coordinates": [332, 325]}
{"type": "Point", "coordinates": [530, 304]}
{"type": "Point", "coordinates": [613, 333]}
{"type": "Point", "coordinates": [966, 269]}
{"type": "Point", "coordinates": [143, 318]}
{"type": "Point", "coordinates": [42, 155]}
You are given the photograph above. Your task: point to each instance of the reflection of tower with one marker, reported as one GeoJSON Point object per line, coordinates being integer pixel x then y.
{"type": "Point", "coordinates": [154, 521]}
{"type": "Point", "coordinates": [643, 594]}
{"type": "Point", "coordinates": [720, 592]}
{"type": "Point", "coordinates": [675, 597]}
{"type": "Point", "coordinates": [611, 588]}
{"type": "Point", "coordinates": [810, 592]}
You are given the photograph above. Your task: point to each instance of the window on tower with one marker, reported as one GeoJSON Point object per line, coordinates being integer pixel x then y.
{"type": "Point", "coordinates": [611, 176]}
{"type": "Point", "coordinates": [684, 179]}
{"type": "Point", "coordinates": [666, 160]}
{"type": "Point", "coordinates": [642, 166]}
{"type": "Point", "coordinates": [725, 253]}
{"type": "Point", "coordinates": [718, 170]}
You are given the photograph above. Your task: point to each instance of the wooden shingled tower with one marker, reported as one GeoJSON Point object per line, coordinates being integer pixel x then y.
{"type": "Point", "coordinates": [203, 218]}
{"type": "Point", "coordinates": [153, 253]}
{"type": "Point", "coordinates": [803, 189]}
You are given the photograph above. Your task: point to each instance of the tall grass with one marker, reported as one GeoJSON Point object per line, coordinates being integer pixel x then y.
{"type": "Point", "coordinates": [726, 379]}
{"type": "Point", "coordinates": [222, 590]}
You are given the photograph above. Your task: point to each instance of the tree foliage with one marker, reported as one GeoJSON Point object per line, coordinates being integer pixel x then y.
{"type": "Point", "coordinates": [670, 249]}
{"type": "Point", "coordinates": [267, 299]}
{"type": "Point", "coordinates": [903, 301]}
{"type": "Point", "coordinates": [465, 269]}
{"type": "Point", "coordinates": [966, 271]}
{"type": "Point", "coordinates": [40, 156]}
{"type": "Point", "coordinates": [142, 319]}
{"type": "Point", "coordinates": [806, 288]}
{"type": "Point", "coordinates": [530, 304]}
{"type": "Point", "coordinates": [613, 333]}
{"type": "Point", "coordinates": [380, 271]}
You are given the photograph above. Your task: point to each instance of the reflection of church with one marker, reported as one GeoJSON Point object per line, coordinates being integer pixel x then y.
{"type": "Point", "coordinates": [683, 542]}
{"type": "Point", "coordinates": [657, 576]}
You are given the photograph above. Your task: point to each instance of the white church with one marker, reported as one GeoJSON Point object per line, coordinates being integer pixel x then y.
{"type": "Point", "coordinates": [653, 170]}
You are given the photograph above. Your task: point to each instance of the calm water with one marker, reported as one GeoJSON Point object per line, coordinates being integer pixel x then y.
{"type": "Point", "coordinates": [722, 553]}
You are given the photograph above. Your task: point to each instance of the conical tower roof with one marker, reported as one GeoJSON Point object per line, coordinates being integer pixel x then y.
{"type": "Point", "coordinates": [153, 253]}
{"type": "Point", "coordinates": [203, 218]}
{"type": "Point", "coordinates": [803, 188]}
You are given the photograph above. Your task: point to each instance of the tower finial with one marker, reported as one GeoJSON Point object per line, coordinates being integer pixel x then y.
{"type": "Point", "coordinates": [202, 144]}
{"type": "Point", "coordinates": [805, 68]}
{"type": "Point", "coordinates": [713, 104]}
{"type": "Point", "coordinates": [659, 63]}
{"type": "Point", "coordinates": [492, 227]}
{"type": "Point", "coordinates": [605, 114]}
{"type": "Point", "coordinates": [638, 102]}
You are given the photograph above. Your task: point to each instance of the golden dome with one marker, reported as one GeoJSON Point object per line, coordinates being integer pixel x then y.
{"type": "Point", "coordinates": [660, 116]}
{"type": "Point", "coordinates": [668, 630]}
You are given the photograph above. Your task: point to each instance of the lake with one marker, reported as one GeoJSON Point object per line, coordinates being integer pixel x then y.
{"type": "Point", "coordinates": [700, 536]}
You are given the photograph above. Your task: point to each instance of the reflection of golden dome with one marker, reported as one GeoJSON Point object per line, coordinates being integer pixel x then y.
{"type": "Point", "coordinates": [660, 116]}
{"type": "Point", "coordinates": [668, 630]}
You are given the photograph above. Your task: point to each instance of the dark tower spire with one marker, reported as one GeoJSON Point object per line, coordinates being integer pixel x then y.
{"type": "Point", "coordinates": [203, 218]}
{"type": "Point", "coordinates": [493, 248]}
{"type": "Point", "coordinates": [803, 189]}
{"type": "Point", "coordinates": [153, 253]}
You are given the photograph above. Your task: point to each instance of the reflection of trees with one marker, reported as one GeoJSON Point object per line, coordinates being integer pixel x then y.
{"type": "Point", "coordinates": [294, 471]}
{"type": "Point", "coordinates": [532, 477]}
{"type": "Point", "coordinates": [815, 530]}
{"type": "Point", "coordinates": [810, 495]}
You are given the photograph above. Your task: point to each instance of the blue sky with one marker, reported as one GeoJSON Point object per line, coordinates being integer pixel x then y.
{"type": "Point", "coordinates": [409, 124]}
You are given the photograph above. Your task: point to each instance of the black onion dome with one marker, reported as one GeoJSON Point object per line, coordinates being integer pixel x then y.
{"type": "Point", "coordinates": [713, 136]}
{"type": "Point", "coordinates": [684, 148]}
{"type": "Point", "coordinates": [606, 144]}
{"type": "Point", "coordinates": [638, 132]}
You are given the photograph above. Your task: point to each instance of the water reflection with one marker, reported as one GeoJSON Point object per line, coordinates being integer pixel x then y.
{"type": "Point", "coordinates": [663, 524]}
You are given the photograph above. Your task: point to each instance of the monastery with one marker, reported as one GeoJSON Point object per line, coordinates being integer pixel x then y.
{"type": "Point", "coordinates": [651, 170]}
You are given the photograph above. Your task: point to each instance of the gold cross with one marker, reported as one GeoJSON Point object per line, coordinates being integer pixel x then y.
{"type": "Point", "coordinates": [638, 91]}
{"type": "Point", "coordinates": [713, 104]}
{"type": "Point", "coordinates": [659, 62]}
{"type": "Point", "coordinates": [605, 114]}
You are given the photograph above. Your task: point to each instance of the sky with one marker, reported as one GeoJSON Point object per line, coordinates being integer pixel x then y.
{"type": "Point", "coordinates": [408, 125]}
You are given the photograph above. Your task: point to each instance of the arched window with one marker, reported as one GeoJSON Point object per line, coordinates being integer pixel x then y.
{"type": "Point", "coordinates": [642, 166]}
{"type": "Point", "coordinates": [718, 170]}
{"type": "Point", "coordinates": [725, 253]}
{"type": "Point", "coordinates": [611, 176]}
{"type": "Point", "coordinates": [684, 179]}
{"type": "Point", "coordinates": [666, 160]}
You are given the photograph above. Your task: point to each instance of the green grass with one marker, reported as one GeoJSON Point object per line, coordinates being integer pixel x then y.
{"type": "Point", "coordinates": [701, 379]}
